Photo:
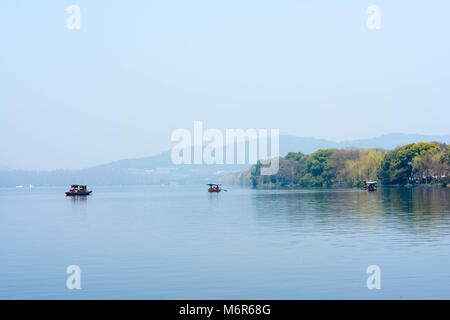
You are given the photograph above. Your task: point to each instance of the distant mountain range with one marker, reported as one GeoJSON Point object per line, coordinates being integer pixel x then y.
{"type": "Point", "coordinates": [288, 144]}
{"type": "Point", "coordinates": [393, 140]}
{"type": "Point", "coordinates": [159, 169]}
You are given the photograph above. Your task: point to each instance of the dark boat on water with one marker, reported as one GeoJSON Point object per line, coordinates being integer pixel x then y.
{"type": "Point", "coordinates": [214, 187]}
{"type": "Point", "coordinates": [370, 186]}
{"type": "Point", "coordinates": [78, 190]}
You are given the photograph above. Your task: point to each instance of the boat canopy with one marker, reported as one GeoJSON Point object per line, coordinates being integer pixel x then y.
{"type": "Point", "coordinates": [371, 182]}
{"type": "Point", "coordinates": [213, 184]}
{"type": "Point", "coordinates": [78, 185]}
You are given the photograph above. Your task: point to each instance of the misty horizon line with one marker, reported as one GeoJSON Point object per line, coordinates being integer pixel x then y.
{"type": "Point", "coordinates": [4, 167]}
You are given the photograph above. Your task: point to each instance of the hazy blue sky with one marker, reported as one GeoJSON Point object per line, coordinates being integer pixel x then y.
{"type": "Point", "coordinates": [137, 70]}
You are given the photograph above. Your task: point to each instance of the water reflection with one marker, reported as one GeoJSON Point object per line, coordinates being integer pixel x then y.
{"type": "Point", "coordinates": [422, 211]}
{"type": "Point", "coordinates": [78, 199]}
{"type": "Point", "coordinates": [78, 205]}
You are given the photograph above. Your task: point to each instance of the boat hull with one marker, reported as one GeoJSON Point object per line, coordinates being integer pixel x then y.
{"type": "Point", "coordinates": [73, 194]}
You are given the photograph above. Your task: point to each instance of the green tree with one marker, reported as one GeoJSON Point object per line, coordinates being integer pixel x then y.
{"type": "Point", "coordinates": [337, 164]}
{"type": "Point", "coordinates": [427, 164]}
{"type": "Point", "coordinates": [317, 172]}
{"type": "Point", "coordinates": [369, 163]}
{"type": "Point", "coordinates": [255, 173]}
{"type": "Point", "coordinates": [445, 162]}
{"type": "Point", "coordinates": [396, 167]}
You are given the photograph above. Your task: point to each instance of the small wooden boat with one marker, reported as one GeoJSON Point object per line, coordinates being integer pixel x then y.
{"type": "Point", "coordinates": [78, 190]}
{"type": "Point", "coordinates": [214, 187]}
{"type": "Point", "coordinates": [371, 186]}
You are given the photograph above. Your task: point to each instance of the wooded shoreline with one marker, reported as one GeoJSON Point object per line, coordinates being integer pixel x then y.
{"type": "Point", "coordinates": [412, 164]}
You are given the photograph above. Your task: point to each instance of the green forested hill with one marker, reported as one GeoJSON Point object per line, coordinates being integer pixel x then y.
{"type": "Point", "coordinates": [421, 162]}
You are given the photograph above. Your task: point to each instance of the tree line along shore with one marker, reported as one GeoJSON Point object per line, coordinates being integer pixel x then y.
{"type": "Point", "coordinates": [415, 163]}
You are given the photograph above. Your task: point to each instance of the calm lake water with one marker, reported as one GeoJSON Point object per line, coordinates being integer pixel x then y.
{"type": "Point", "coordinates": [183, 243]}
